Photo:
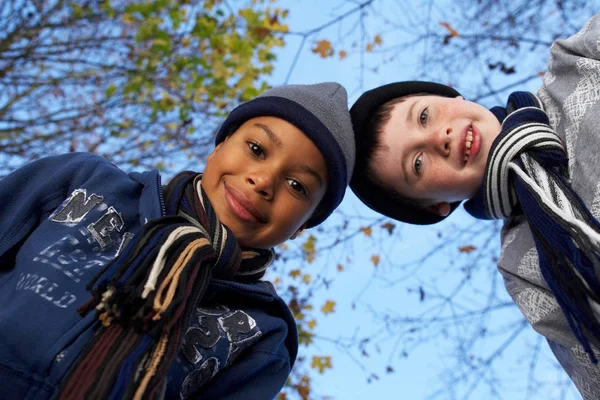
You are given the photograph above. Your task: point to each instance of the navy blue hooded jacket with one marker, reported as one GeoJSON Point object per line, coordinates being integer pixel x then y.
{"type": "Point", "coordinates": [61, 219]}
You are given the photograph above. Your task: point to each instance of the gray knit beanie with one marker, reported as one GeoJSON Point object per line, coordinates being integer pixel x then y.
{"type": "Point", "coordinates": [321, 112]}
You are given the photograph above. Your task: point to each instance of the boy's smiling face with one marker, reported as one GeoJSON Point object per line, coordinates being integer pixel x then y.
{"type": "Point", "coordinates": [434, 150]}
{"type": "Point", "coordinates": [265, 181]}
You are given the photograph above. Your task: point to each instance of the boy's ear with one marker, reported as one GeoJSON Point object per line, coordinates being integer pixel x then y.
{"type": "Point", "coordinates": [216, 149]}
{"type": "Point", "coordinates": [460, 97]}
{"type": "Point", "coordinates": [299, 231]}
{"type": "Point", "coordinates": [442, 209]}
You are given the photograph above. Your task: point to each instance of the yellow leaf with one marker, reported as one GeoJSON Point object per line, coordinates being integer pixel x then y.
{"type": "Point", "coordinates": [343, 54]}
{"type": "Point", "coordinates": [306, 279]}
{"type": "Point", "coordinates": [370, 47]}
{"type": "Point", "coordinates": [451, 31]}
{"type": "Point", "coordinates": [375, 259]}
{"type": "Point", "coordinates": [378, 40]}
{"type": "Point", "coordinates": [323, 48]}
{"type": "Point", "coordinates": [466, 249]}
{"type": "Point", "coordinates": [321, 363]}
{"type": "Point", "coordinates": [276, 281]}
{"type": "Point", "coordinates": [295, 273]}
{"type": "Point", "coordinates": [312, 323]}
{"type": "Point", "coordinates": [309, 248]}
{"type": "Point", "coordinates": [304, 337]}
{"type": "Point", "coordinates": [366, 230]}
{"type": "Point", "coordinates": [329, 307]}
{"type": "Point", "coordinates": [340, 267]}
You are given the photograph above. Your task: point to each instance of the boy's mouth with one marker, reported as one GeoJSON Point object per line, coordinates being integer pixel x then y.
{"type": "Point", "coordinates": [468, 143]}
{"type": "Point", "coordinates": [242, 207]}
{"type": "Point", "coordinates": [472, 143]}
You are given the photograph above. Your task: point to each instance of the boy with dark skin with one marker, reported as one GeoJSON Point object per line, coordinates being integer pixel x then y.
{"type": "Point", "coordinates": [175, 307]}
{"type": "Point", "coordinates": [422, 149]}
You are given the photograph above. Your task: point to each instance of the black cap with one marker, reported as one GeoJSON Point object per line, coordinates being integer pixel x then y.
{"type": "Point", "coordinates": [362, 113]}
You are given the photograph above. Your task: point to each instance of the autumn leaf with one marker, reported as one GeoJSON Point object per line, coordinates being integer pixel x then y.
{"type": "Point", "coordinates": [388, 226]}
{"type": "Point", "coordinates": [370, 47]}
{"type": "Point", "coordinates": [306, 279]}
{"type": "Point", "coordinates": [295, 273]}
{"type": "Point", "coordinates": [466, 249]}
{"type": "Point", "coordinates": [309, 249]}
{"type": "Point", "coordinates": [323, 48]}
{"type": "Point", "coordinates": [451, 31]}
{"type": "Point", "coordinates": [312, 323]}
{"type": "Point", "coordinates": [304, 337]}
{"type": "Point", "coordinates": [343, 54]}
{"type": "Point", "coordinates": [366, 230]}
{"type": "Point", "coordinates": [340, 267]}
{"type": "Point", "coordinates": [321, 363]}
{"type": "Point", "coordinates": [329, 307]}
{"type": "Point", "coordinates": [375, 259]}
{"type": "Point", "coordinates": [378, 40]}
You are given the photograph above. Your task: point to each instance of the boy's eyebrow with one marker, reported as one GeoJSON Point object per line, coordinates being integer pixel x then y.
{"type": "Point", "coordinates": [307, 168]}
{"type": "Point", "coordinates": [272, 136]}
{"type": "Point", "coordinates": [410, 112]}
{"type": "Point", "coordinates": [405, 175]}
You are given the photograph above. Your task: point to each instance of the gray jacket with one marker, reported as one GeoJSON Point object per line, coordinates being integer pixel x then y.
{"type": "Point", "coordinates": [571, 95]}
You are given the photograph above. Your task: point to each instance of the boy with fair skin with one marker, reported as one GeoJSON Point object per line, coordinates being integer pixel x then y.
{"type": "Point", "coordinates": [422, 149]}
{"type": "Point", "coordinates": [175, 307]}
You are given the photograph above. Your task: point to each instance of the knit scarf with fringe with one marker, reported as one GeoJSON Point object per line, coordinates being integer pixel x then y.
{"type": "Point", "coordinates": [144, 297]}
{"type": "Point", "coordinates": [526, 172]}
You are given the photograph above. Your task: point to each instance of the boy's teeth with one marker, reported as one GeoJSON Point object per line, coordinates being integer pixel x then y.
{"type": "Point", "coordinates": [468, 143]}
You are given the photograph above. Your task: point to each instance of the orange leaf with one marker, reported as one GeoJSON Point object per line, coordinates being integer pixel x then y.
{"type": "Point", "coordinates": [375, 259]}
{"type": "Point", "coordinates": [343, 54]}
{"type": "Point", "coordinates": [367, 231]}
{"type": "Point", "coordinates": [452, 31]}
{"type": "Point", "coordinates": [370, 47]}
{"type": "Point", "coordinates": [323, 48]}
{"type": "Point", "coordinates": [467, 249]}
{"type": "Point", "coordinates": [340, 267]}
{"type": "Point", "coordinates": [377, 40]}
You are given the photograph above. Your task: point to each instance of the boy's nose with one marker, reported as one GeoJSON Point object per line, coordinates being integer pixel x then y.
{"type": "Point", "coordinates": [441, 141]}
{"type": "Point", "coordinates": [262, 184]}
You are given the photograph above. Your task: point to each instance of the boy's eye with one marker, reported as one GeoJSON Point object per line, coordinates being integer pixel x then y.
{"type": "Point", "coordinates": [423, 117]}
{"type": "Point", "coordinates": [296, 186]}
{"type": "Point", "coordinates": [256, 149]}
{"type": "Point", "coordinates": [419, 164]}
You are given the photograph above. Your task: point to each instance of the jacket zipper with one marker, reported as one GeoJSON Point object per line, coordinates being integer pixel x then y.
{"type": "Point", "coordinates": [160, 197]}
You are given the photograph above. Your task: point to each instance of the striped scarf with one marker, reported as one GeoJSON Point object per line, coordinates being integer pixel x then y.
{"type": "Point", "coordinates": [144, 298]}
{"type": "Point", "coordinates": [526, 173]}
